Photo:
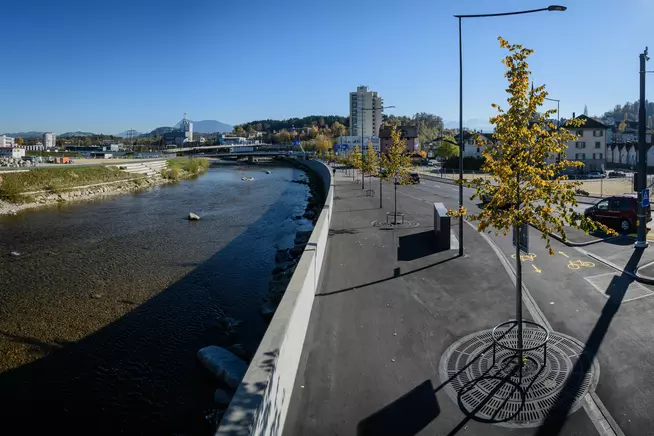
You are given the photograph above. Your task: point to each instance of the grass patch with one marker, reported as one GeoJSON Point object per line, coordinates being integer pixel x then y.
{"type": "Point", "coordinates": [192, 165]}
{"type": "Point", "coordinates": [56, 180]}
{"type": "Point", "coordinates": [178, 165]}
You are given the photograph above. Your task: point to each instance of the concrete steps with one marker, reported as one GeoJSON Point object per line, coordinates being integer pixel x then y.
{"type": "Point", "coordinates": [148, 168]}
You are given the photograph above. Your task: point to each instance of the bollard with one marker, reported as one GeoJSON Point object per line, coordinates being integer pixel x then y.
{"type": "Point", "coordinates": [441, 226]}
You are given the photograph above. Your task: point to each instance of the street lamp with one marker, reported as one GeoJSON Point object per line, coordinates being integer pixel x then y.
{"type": "Point", "coordinates": [558, 114]}
{"type": "Point", "coordinates": [558, 117]}
{"type": "Point", "coordinates": [363, 185]}
{"type": "Point", "coordinates": [641, 240]}
{"type": "Point", "coordinates": [555, 8]}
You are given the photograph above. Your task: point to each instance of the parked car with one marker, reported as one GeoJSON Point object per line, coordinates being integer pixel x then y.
{"type": "Point", "coordinates": [596, 175]}
{"type": "Point", "coordinates": [414, 178]}
{"type": "Point", "coordinates": [617, 212]}
{"type": "Point", "coordinates": [616, 175]}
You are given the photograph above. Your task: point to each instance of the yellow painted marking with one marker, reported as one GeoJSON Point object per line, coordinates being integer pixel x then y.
{"type": "Point", "coordinates": [579, 264]}
{"type": "Point", "coordinates": [525, 257]}
{"type": "Point", "coordinates": [537, 270]}
{"type": "Point", "coordinates": [562, 253]}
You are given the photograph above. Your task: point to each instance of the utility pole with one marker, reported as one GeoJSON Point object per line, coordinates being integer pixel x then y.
{"type": "Point", "coordinates": [363, 185]}
{"type": "Point", "coordinates": [642, 157]}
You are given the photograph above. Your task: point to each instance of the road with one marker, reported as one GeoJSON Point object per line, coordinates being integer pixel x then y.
{"type": "Point", "coordinates": [590, 301]}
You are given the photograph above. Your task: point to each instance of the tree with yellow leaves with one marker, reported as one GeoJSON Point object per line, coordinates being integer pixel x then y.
{"type": "Point", "coordinates": [355, 159]}
{"type": "Point", "coordinates": [526, 186]}
{"type": "Point", "coordinates": [370, 163]}
{"type": "Point", "coordinates": [397, 163]}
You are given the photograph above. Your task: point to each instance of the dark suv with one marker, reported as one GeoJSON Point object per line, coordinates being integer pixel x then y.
{"type": "Point", "coordinates": [617, 212]}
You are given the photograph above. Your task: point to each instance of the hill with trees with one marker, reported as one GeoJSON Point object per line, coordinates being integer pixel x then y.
{"type": "Point", "coordinates": [628, 112]}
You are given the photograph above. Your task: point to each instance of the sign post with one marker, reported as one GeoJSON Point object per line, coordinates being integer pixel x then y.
{"type": "Point", "coordinates": [524, 237]}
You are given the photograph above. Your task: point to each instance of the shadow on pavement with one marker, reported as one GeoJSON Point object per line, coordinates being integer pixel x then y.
{"type": "Point", "coordinates": [558, 414]}
{"type": "Point", "coordinates": [395, 275]}
{"type": "Point", "coordinates": [405, 416]}
{"type": "Point", "coordinates": [417, 245]}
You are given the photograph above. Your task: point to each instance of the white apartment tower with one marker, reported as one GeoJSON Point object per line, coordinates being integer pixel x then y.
{"type": "Point", "coordinates": [365, 112]}
{"type": "Point", "coordinates": [49, 140]}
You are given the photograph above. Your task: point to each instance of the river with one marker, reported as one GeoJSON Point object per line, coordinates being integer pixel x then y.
{"type": "Point", "coordinates": [104, 309]}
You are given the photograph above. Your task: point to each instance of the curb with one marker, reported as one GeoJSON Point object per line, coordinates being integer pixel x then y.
{"type": "Point", "coordinates": [643, 278]}
{"type": "Point", "coordinates": [578, 244]}
{"type": "Point", "coordinates": [638, 277]}
{"type": "Point", "coordinates": [437, 179]}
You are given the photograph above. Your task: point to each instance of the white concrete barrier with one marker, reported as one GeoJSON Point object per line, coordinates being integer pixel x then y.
{"type": "Point", "coordinates": [260, 404]}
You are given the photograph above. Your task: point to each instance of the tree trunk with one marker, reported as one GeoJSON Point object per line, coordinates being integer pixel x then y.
{"type": "Point", "coordinates": [518, 289]}
{"type": "Point", "coordinates": [395, 216]}
{"type": "Point", "coordinates": [518, 270]}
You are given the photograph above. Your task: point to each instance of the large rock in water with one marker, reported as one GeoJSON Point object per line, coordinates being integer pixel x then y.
{"type": "Point", "coordinates": [223, 365]}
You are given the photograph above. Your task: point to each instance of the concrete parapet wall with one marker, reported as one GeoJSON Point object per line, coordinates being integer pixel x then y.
{"type": "Point", "coordinates": [260, 404]}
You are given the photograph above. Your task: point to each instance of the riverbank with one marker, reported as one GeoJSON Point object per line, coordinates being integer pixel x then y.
{"type": "Point", "coordinates": [49, 186]}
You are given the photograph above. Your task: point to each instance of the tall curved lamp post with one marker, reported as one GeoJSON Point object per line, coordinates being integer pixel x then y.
{"type": "Point", "coordinates": [551, 8]}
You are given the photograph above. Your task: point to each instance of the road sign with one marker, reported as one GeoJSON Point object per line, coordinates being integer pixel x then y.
{"type": "Point", "coordinates": [524, 237]}
{"type": "Point", "coordinates": [296, 142]}
{"type": "Point", "coordinates": [337, 147]}
{"type": "Point", "coordinates": [644, 197]}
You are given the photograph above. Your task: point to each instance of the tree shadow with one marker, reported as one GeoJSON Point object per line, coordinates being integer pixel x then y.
{"type": "Point", "coordinates": [557, 416]}
{"type": "Point", "coordinates": [139, 374]}
{"type": "Point", "coordinates": [395, 275]}
{"type": "Point", "coordinates": [405, 416]}
{"type": "Point", "coordinates": [418, 245]}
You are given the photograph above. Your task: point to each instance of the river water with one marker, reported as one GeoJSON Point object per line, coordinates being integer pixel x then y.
{"type": "Point", "coordinates": [104, 310]}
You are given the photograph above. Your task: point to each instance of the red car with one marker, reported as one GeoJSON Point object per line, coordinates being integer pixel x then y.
{"type": "Point", "coordinates": [618, 212]}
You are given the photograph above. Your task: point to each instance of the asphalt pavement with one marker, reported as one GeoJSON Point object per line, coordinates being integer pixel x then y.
{"type": "Point", "coordinates": [594, 302]}
{"type": "Point", "coordinates": [390, 304]}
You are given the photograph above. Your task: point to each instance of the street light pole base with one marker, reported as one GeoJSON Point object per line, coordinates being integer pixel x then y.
{"type": "Point", "coordinates": [641, 244]}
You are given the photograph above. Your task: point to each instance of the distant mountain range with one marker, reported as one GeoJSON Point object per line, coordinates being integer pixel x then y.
{"type": "Point", "coordinates": [160, 131]}
{"type": "Point", "coordinates": [25, 135]}
{"type": "Point", "coordinates": [204, 126]}
{"type": "Point", "coordinates": [471, 123]}
{"type": "Point", "coordinates": [78, 133]}
{"type": "Point", "coordinates": [208, 126]}
{"type": "Point", "coordinates": [126, 133]}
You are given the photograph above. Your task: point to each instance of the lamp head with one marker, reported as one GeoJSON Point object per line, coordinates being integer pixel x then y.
{"type": "Point", "coordinates": [556, 8]}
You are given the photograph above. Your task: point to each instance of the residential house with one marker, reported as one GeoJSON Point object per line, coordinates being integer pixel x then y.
{"type": "Point", "coordinates": [590, 145]}
{"type": "Point", "coordinates": [409, 135]}
{"type": "Point", "coordinates": [472, 147]}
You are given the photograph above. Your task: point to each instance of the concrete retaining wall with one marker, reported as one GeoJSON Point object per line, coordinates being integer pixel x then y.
{"type": "Point", "coordinates": [261, 401]}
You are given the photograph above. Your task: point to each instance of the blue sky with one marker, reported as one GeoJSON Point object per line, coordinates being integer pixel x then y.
{"type": "Point", "coordinates": [107, 66]}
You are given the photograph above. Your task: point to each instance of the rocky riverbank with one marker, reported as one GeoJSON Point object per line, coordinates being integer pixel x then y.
{"type": "Point", "coordinates": [286, 259]}
{"type": "Point", "coordinates": [29, 200]}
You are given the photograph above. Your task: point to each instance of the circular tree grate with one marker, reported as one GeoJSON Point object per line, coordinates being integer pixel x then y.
{"type": "Point", "coordinates": [388, 226]}
{"type": "Point", "coordinates": [496, 393]}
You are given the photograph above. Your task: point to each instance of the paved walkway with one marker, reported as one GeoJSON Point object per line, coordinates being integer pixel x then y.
{"type": "Point", "coordinates": [388, 307]}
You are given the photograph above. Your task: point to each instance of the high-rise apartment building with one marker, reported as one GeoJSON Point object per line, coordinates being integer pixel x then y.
{"type": "Point", "coordinates": [6, 141]}
{"type": "Point", "coordinates": [49, 140]}
{"type": "Point", "coordinates": [365, 112]}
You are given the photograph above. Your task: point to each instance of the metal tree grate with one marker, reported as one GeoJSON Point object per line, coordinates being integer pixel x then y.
{"type": "Point", "coordinates": [387, 226]}
{"type": "Point", "coordinates": [495, 394]}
